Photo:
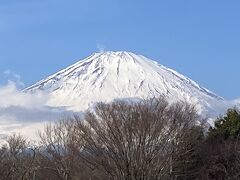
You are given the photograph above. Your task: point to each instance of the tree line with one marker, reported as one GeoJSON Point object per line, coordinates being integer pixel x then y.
{"type": "Point", "coordinates": [145, 140]}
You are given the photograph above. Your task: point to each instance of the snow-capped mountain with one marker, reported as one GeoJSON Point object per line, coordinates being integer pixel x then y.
{"type": "Point", "coordinates": [115, 75]}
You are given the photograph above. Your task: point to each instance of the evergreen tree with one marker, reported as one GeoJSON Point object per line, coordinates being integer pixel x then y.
{"type": "Point", "coordinates": [227, 126]}
{"type": "Point", "coordinates": [221, 150]}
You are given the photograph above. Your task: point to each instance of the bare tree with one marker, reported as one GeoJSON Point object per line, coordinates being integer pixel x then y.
{"type": "Point", "coordinates": [18, 158]}
{"type": "Point", "coordinates": [135, 141]}
{"type": "Point", "coordinates": [58, 142]}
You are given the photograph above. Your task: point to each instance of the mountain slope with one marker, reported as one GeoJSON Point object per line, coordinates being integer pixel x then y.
{"type": "Point", "coordinates": [115, 75]}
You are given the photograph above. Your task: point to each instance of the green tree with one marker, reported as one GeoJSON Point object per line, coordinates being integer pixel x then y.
{"type": "Point", "coordinates": [226, 126]}
{"type": "Point", "coordinates": [220, 153]}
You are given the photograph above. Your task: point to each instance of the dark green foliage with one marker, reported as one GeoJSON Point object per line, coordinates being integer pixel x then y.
{"type": "Point", "coordinates": [220, 152]}
{"type": "Point", "coordinates": [227, 126]}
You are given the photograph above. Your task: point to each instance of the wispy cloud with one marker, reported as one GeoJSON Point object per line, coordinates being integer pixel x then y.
{"type": "Point", "coordinates": [12, 76]}
{"type": "Point", "coordinates": [100, 47]}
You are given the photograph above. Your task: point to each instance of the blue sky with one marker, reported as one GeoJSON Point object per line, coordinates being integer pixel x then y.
{"type": "Point", "coordinates": [198, 38]}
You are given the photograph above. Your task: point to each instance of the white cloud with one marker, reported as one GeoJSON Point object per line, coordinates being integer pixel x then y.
{"type": "Point", "coordinates": [11, 96]}
{"type": "Point", "coordinates": [25, 112]}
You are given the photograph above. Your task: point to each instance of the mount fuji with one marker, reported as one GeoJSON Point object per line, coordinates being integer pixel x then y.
{"type": "Point", "coordinates": [106, 76]}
